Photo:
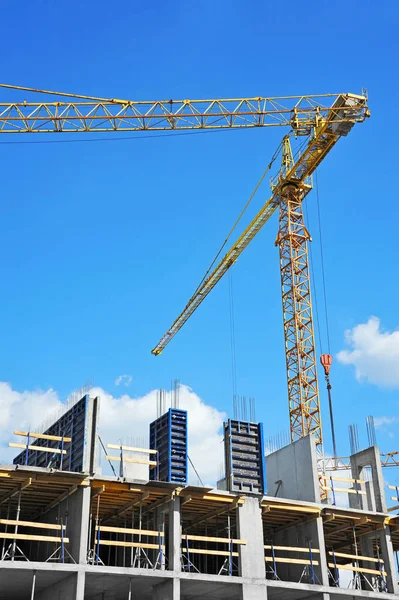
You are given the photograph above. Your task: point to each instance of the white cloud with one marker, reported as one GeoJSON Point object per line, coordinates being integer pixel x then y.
{"type": "Point", "coordinates": [381, 421]}
{"type": "Point", "coordinates": [374, 353]}
{"type": "Point", "coordinates": [125, 379]}
{"type": "Point", "coordinates": [126, 418]}
{"type": "Point", "coordinates": [122, 418]}
{"type": "Point", "coordinates": [22, 411]}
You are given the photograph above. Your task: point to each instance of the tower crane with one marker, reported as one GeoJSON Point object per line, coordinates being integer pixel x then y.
{"type": "Point", "coordinates": [318, 120]}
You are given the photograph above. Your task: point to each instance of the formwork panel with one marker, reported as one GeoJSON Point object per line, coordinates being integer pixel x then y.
{"type": "Point", "coordinates": [168, 435]}
{"type": "Point", "coordinates": [78, 423]}
{"type": "Point", "coordinates": [244, 457]}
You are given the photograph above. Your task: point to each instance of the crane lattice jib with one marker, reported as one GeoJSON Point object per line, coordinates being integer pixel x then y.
{"type": "Point", "coordinates": [342, 463]}
{"type": "Point", "coordinates": [323, 138]}
{"type": "Point", "coordinates": [88, 113]}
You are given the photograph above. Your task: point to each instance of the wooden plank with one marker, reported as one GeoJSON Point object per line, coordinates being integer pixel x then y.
{"type": "Point", "coordinates": [358, 569]}
{"type": "Point", "coordinates": [60, 499]}
{"type": "Point", "coordinates": [394, 497]}
{"type": "Point", "coordinates": [31, 538]}
{"type": "Point", "coordinates": [131, 449]}
{"type": "Point", "coordinates": [4, 475]}
{"type": "Point", "coordinates": [43, 436]}
{"type": "Point", "coordinates": [393, 507]}
{"type": "Point", "coordinates": [293, 561]}
{"type": "Point", "coordinates": [204, 538]}
{"type": "Point", "coordinates": [293, 549]}
{"type": "Point", "coordinates": [355, 557]}
{"type": "Point", "coordinates": [228, 499]}
{"type": "Point", "coordinates": [32, 524]}
{"type": "Point", "coordinates": [95, 491]}
{"type": "Point", "coordinates": [139, 461]}
{"type": "Point", "coordinates": [130, 544]}
{"type": "Point", "coordinates": [346, 490]}
{"type": "Point", "coordinates": [16, 491]}
{"type": "Point", "coordinates": [343, 479]}
{"type": "Point", "coordinates": [149, 532]}
{"type": "Point", "coordinates": [306, 509]}
{"type": "Point", "coordinates": [211, 552]}
{"type": "Point", "coordinates": [40, 448]}
{"type": "Point", "coordinates": [393, 487]}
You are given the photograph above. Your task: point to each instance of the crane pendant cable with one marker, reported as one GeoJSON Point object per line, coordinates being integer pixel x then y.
{"type": "Point", "coordinates": [269, 166]}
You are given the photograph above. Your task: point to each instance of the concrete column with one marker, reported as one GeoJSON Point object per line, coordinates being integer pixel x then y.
{"type": "Point", "coordinates": [254, 591]}
{"type": "Point", "coordinates": [384, 536]}
{"type": "Point", "coordinates": [174, 530]}
{"type": "Point", "coordinates": [318, 531]}
{"type": "Point", "coordinates": [250, 528]}
{"type": "Point", "coordinates": [168, 590]}
{"type": "Point", "coordinates": [78, 524]}
{"type": "Point", "coordinates": [80, 585]}
{"type": "Point", "coordinates": [369, 458]}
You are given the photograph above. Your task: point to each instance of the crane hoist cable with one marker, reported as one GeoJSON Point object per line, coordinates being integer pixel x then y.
{"type": "Point", "coordinates": [117, 139]}
{"type": "Point", "coordinates": [314, 287]}
{"type": "Point", "coordinates": [233, 345]}
{"type": "Point", "coordinates": [325, 359]}
{"type": "Point", "coordinates": [322, 265]}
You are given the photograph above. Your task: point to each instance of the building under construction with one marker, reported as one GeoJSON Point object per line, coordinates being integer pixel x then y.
{"type": "Point", "coordinates": [273, 526]}
{"type": "Point", "coordinates": [294, 525]}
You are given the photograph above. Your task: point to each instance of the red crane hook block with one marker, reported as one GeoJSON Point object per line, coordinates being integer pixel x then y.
{"type": "Point", "coordinates": [326, 361]}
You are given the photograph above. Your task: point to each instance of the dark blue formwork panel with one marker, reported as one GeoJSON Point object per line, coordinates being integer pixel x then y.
{"type": "Point", "coordinates": [79, 423]}
{"type": "Point", "coordinates": [244, 457]}
{"type": "Point", "coordinates": [168, 435]}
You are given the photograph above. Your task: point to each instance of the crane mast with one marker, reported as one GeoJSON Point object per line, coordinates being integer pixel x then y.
{"type": "Point", "coordinates": [300, 354]}
{"type": "Point", "coordinates": [321, 119]}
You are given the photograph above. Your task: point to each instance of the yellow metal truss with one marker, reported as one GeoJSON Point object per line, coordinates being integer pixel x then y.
{"type": "Point", "coordinates": [93, 114]}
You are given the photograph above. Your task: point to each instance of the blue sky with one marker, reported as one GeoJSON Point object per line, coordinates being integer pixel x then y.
{"type": "Point", "coordinates": [102, 243]}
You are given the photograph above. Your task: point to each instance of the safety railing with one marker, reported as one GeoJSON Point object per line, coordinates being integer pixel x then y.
{"type": "Point", "coordinates": [140, 557]}
{"type": "Point", "coordinates": [130, 458]}
{"type": "Point", "coordinates": [359, 573]}
{"type": "Point", "coordinates": [273, 559]}
{"type": "Point", "coordinates": [230, 551]}
{"type": "Point", "coordinates": [327, 483]}
{"type": "Point", "coordinates": [12, 551]}
{"type": "Point", "coordinates": [28, 446]}
{"type": "Point", "coordinates": [395, 498]}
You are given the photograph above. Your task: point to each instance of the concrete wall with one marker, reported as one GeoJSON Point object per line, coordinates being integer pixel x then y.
{"type": "Point", "coordinates": [295, 466]}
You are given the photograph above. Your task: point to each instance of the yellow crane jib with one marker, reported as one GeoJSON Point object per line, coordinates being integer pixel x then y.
{"type": "Point", "coordinates": [80, 113]}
